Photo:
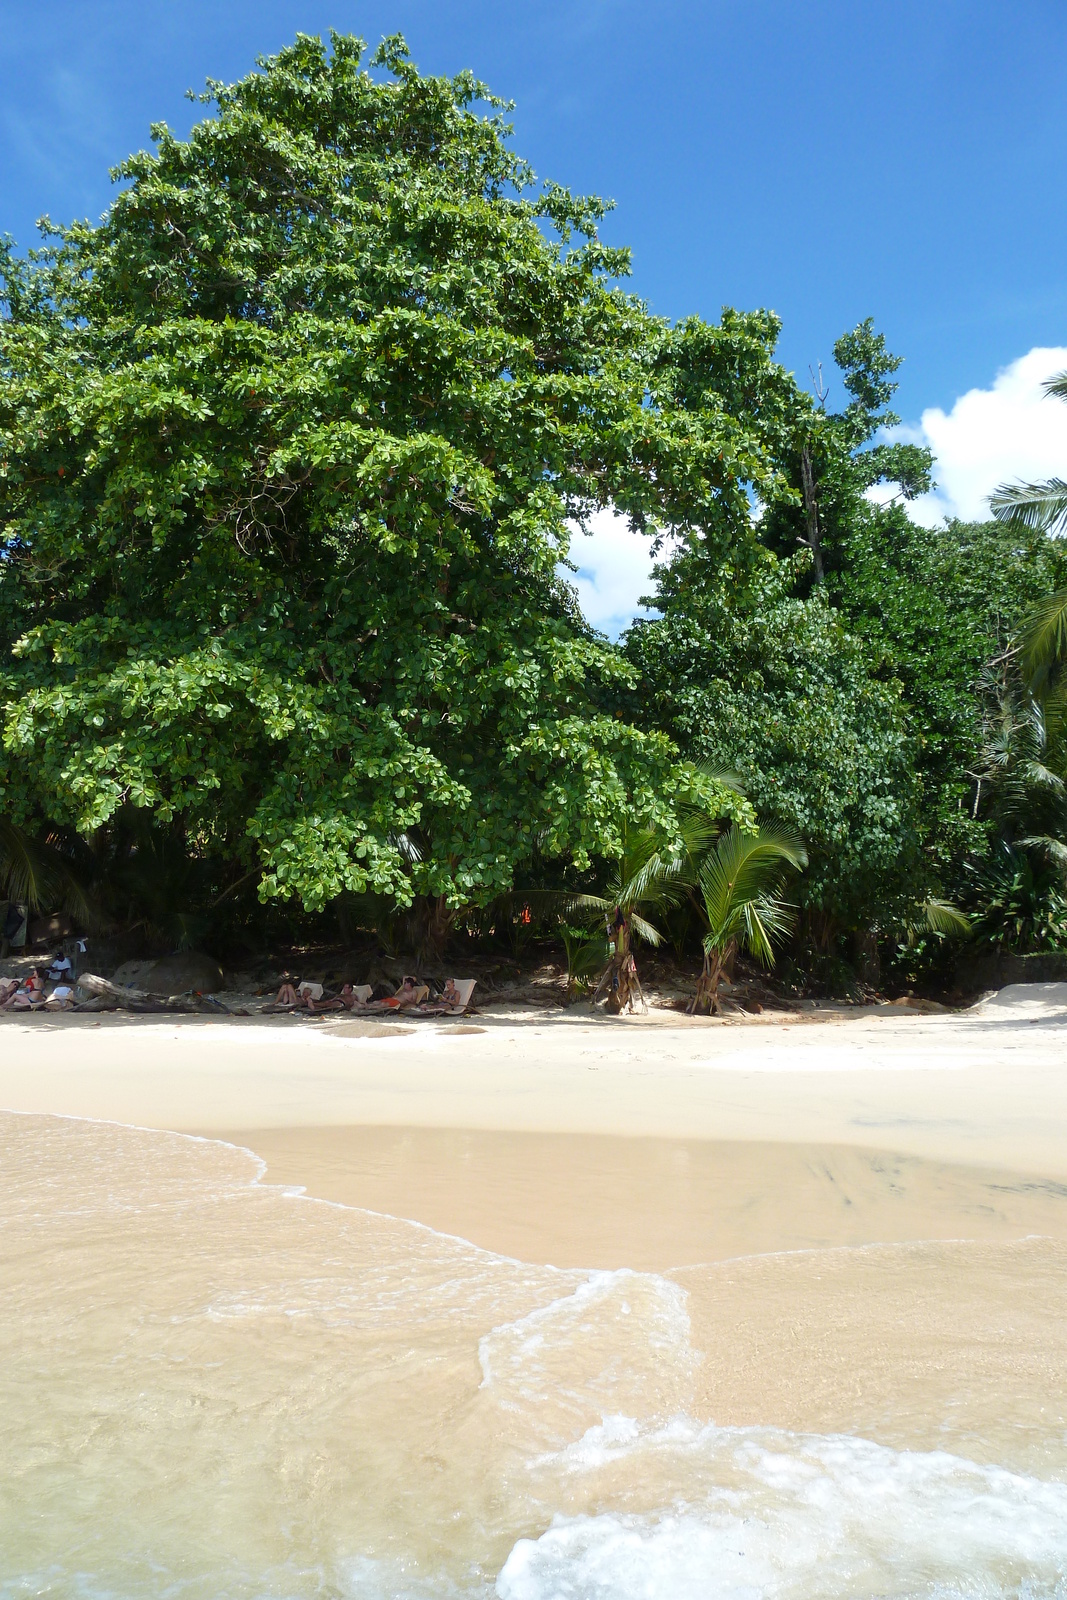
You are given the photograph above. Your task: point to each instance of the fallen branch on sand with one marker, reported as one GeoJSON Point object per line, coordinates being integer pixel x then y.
{"type": "Point", "coordinates": [125, 997]}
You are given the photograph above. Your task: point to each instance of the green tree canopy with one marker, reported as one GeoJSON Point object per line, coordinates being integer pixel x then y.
{"type": "Point", "coordinates": [289, 446]}
{"type": "Point", "coordinates": [755, 678]}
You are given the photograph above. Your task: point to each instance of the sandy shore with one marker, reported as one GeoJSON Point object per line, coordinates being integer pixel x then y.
{"type": "Point", "coordinates": [850, 1231]}
{"type": "Point", "coordinates": [646, 1142]}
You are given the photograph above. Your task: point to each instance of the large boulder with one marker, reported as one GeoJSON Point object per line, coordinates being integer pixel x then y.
{"type": "Point", "coordinates": [131, 974]}
{"type": "Point", "coordinates": [176, 974]}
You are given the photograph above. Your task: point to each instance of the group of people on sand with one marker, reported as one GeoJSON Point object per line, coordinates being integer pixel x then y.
{"type": "Point", "coordinates": [52, 990]}
{"type": "Point", "coordinates": [295, 993]}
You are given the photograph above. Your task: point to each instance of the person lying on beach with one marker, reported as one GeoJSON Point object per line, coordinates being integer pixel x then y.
{"type": "Point", "coordinates": [296, 992]}
{"type": "Point", "coordinates": [335, 1002]}
{"type": "Point", "coordinates": [7, 989]}
{"type": "Point", "coordinates": [28, 996]}
{"type": "Point", "coordinates": [407, 995]}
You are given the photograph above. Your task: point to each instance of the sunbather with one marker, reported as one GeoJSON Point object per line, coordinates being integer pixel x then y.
{"type": "Point", "coordinates": [450, 994]}
{"type": "Point", "coordinates": [29, 995]}
{"type": "Point", "coordinates": [287, 995]}
{"type": "Point", "coordinates": [336, 1002]}
{"type": "Point", "coordinates": [7, 989]}
{"type": "Point", "coordinates": [407, 995]}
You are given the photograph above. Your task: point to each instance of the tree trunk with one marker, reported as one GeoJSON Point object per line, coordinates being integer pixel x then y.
{"type": "Point", "coordinates": [706, 999]}
{"type": "Point", "coordinates": [811, 513]}
{"type": "Point", "coordinates": [619, 982]}
{"type": "Point", "coordinates": [131, 999]}
{"type": "Point", "coordinates": [429, 922]}
{"type": "Point", "coordinates": [869, 961]}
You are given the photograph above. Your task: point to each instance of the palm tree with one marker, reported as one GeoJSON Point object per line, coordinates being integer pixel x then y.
{"type": "Point", "coordinates": [741, 883]}
{"type": "Point", "coordinates": [1040, 508]}
{"type": "Point", "coordinates": [646, 878]}
{"type": "Point", "coordinates": [37, 872]}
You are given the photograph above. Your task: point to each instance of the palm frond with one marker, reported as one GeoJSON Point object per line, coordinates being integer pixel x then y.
{"type": "Point", "coordinates": [941, 916]}
{"type": "Point", "coordinates": [1041, 507]}
{"type": "Point", "coordinates": [740, 883]}
{"type": "Point", "coordinates": [766, 922]}
{"type": "Point", "coordinates": [1043, 636]}
{"type": "Point", "coordinates": [586, 902]}
{"type": "Point", "coordinates": [642, 926]}
{"type": "Point", "coordinates": [24, 866]}
{"type": "Point", "coordinates": [585, 953]}
{"type": "Point", "coordinates": [1053, 849]}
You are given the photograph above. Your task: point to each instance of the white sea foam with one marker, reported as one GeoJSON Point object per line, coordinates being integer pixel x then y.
{"type": "Point", "coordinates": [780, 1516]}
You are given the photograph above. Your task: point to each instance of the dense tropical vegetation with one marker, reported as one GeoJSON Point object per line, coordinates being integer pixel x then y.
{"type": "Point", "coordinates": [293, 448]}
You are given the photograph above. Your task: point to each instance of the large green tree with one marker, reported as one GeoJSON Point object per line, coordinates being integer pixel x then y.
{"type": "Point", "coordinates": [289, 446]}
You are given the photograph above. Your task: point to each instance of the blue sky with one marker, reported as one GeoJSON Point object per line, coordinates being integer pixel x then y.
{"type": "Point", "coordinates": [832, 159]}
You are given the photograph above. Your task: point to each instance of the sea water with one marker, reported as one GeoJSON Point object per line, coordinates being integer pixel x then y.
{"type": "Point", "coordinates": [212, 1388]}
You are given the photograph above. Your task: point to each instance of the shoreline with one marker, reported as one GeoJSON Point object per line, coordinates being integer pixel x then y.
{"type": "Point", "coordinates": [608, 1142]}
{"type": "Point", "coordinates": [608, 1203]}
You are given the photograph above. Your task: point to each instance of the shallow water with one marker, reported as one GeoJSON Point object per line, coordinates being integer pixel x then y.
{"type": "Point", "coordinates": [214, 1387]}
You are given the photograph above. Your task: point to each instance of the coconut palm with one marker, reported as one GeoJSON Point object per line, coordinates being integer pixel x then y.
{"type": "Point", "coordinates": [38, 873]}
{"type": "Point", "coordinates": [645, 878]}
{"type": "Point", "coordinates": [741, 884]}
{"type": "Point", "coordinates": [1041, 508]}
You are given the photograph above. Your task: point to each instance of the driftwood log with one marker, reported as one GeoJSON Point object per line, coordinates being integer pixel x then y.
{"type": "Point", "coordinates": [122, 997]}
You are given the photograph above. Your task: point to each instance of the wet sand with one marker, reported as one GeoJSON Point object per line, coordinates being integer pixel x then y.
{"type": "Point", "coordinates": [589, 1200]}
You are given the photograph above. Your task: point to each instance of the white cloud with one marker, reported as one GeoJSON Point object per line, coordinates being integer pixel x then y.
{"type": "Point", "coordinates": [614, 571]}
{"type": "Point", "coordinates": [992, 436]}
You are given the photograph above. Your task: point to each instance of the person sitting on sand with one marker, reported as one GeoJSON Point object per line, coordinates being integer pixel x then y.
{"type": "Point", "coordinates": [287, 994]}
{"type": "Point", "coordinates": [60, 969]}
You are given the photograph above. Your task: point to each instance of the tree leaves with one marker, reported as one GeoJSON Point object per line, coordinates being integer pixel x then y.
{"type": "Point", "coordinates": [291, 442]}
